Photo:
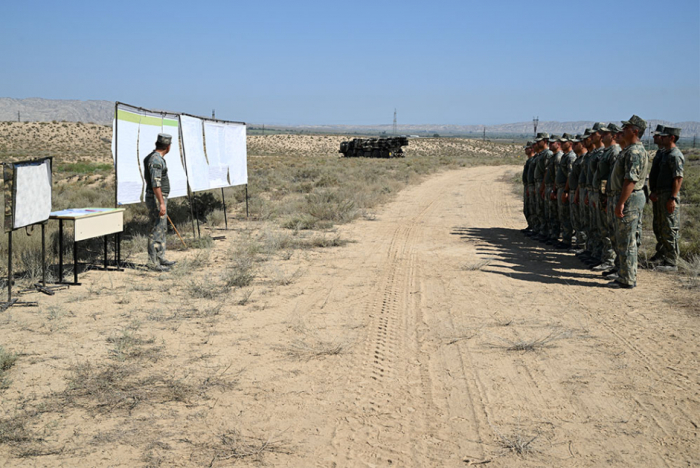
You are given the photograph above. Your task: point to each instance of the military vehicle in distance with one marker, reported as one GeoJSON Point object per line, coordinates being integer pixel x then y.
{"type": "Point", "coordinates": [374, 147]}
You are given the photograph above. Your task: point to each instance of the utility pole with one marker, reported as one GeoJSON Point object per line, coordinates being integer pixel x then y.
{"type": "Point", "coordinates": [213, 113]}
{"type": "Point", "coordinates": [695, 138]}
{"type": "Point", "coordinates": [394, 129]}
{"type": "Point", "coordinates": [18, 120]}
{"type": "Point", "coordinates": [535, 121]}
{"type": "Point", "coordinates": [263, 129]}
{"type": "Point", "coordinates": [484, 137]}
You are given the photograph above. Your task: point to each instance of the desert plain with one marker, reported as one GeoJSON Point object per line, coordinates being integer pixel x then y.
{"type": "Point", "coordinates": [423, 331]}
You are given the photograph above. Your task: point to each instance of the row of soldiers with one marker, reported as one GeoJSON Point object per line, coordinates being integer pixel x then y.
{"type": "Point", "coordinates": [587, 192]}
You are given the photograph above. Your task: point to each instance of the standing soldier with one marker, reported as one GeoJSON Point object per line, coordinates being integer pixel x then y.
{"type": "Point", "coordinates": [550, 175]}
{"type": "Point", "coordinates": [566, 165]}
{"type": "Point", "coordinates": [543, 154]}
{"type": "Point", "coordinates": [526, 201]}
{"type": "Point", "coordinates": [600, 181]}
{"type": "Point", "coordinates": [666, 196]}
{"type": "Point", "coordinates": [572, 183]}
{"type": "Point", "coordinates": [653, 177]}
{"type": "Point", "coordinates": [532, 195]}
{"type": "Point", "coordinates": [582, 196]}
{"type": "Point", "coordinates": [597, 150]}
{"type": "Point", "coordinates": [157, 191]}
{"type": "Point", "coordinates": [629, 175]}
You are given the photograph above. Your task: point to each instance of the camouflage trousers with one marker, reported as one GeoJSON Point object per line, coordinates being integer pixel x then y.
{"type": "Point", "coordinates": [628, 232]}
{"type": "Point", "coordinates": [540, 210]}
{"type": "Point", "coordinates": [552, 213]}
{"type": "Point", "coordinates": [526, 208]}
{"type": "Point", "coordinates": [610, 218]}
{"type": "Point", "coordinates": [606, 247]}
{"type": "Point", "coordinates": [157, 230]}
{"type": "Point", "coordinates": [666, 229]}
{"type": "Point", "coordinates": [594, 245]}
{"type": "Point", "coordinates": [575, 215]}
{"type": "Point", "coordinates": [564, 217]}
{"type": "Point", "coordinates": [532, 202]}
{"type": "Point", "coordinates": [582, 232]}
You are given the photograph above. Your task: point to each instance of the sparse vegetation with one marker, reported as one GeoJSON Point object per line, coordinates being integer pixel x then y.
{"type": "Point", "coordinates": [7, 360]}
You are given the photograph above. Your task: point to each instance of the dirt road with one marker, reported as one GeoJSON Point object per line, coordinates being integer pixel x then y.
{"type": "Point", "coordinates": [441, 337]}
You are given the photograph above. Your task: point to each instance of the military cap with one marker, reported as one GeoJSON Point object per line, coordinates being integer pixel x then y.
{"type": "Point", "coordinates": [542, 136]}
{"type": "Point", "coordinates": [636, 121]}
{"type": "Point", "coordinates": [659, 130]}
{"type": "Point", "coordinates": [554, 138]}
{"type": "Point", "coordinates": [164, 139]}
{"type": "Point", "coordinates": [586, 134]}
{"type": "Point", "coordinates": [597, 127]}
{"type": "Point", "coordinates": [567, 137]}
{"type": "Point", "coordinates": [577, 139]}
{"type": "Point", "coordinates": [671, 131]}
{"type": "Point", "coordinates": [528, 145]}
{"type": "Point", "coordinates": [611, 128]}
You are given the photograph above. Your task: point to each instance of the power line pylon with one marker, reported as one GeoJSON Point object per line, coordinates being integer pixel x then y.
{"type": "Point", "coordinates": [394, 127]}
{"type": "Point", "coordinates": [535, 121]}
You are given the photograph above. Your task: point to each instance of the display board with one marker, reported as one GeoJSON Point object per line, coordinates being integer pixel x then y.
{"type": "Point", "coordinates": [134, 138]}
{"type": "Point", "coordinates": [27, 193]}
{"type": "Point", "coordinates": [214, 153]}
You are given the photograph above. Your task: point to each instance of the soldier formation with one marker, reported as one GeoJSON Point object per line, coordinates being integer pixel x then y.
{"type": "Point", "coordinates": [586, 193]}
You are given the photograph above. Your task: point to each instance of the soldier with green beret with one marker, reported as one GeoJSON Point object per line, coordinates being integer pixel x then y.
{"type": "Point", "coordinates": [551, 208]}
{"type": "Point", "coordinates": [157, 191]}
{"type": "Point", "coordinates": [629, 176]}
{"type": "Point", "coordinates": [653, 177]}
{"type": "Point", "coordinates": [666, 198]}
{"type": "Point", "coordinates": [600, 182]}
{"type": "Point", "coordinates": [564, 169]}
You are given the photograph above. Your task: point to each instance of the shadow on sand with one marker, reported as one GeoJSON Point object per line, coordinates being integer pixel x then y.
{"type": "Point", "coordinates": [525, 259]}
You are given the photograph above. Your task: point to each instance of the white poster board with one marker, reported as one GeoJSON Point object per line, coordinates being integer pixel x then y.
{"type": "Point", "coordinates": [32, 193]}
{"type": "Point", "coordinates": [237, 153]}
{"type": "Point", "coordinates": [134, 138]}
{"type": "Point", "coordinates": [195, 158]}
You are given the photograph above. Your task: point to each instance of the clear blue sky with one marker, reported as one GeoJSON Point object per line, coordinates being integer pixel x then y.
{"type": "Point", "coordinates": [353, 62]}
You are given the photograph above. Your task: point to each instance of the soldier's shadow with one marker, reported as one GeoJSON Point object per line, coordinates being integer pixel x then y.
{"type": "Point", "coordinates": [516, 256]}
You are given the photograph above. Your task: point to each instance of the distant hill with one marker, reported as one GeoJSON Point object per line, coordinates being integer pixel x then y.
{"type": "Point", "coordinates": [102, 112]}
{"type": "Point", "coordinates": [46, 110]}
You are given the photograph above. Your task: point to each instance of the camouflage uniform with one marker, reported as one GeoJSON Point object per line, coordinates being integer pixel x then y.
{"type": "Point", "coordinates": [156, 175]}
{"type": "Point", "coordinates": [526, 201]}
{"type": "Point", "coordinates": [566, 164]}
{"type": "Point", "coordinates": [600, 179]}
{"type": "Point", "coordinates": [596, 245]}
{"type": "Point", "coordinates": [612, 199]}
{"type": "Point", "coordinates": [532, 194]}
{"type": "Point", "coordinates": [656, 207]}
{"type": "Point", "coordinates": [668, 225]}
{"type": "Point", "coordinates": [552, 208]}
{"type": "Point", "coordinates": [583, 193]}
{"type": "Point", "coordinates": [540, 166]}
{"type": "Point", "coordinates": [575, 210]}
{"type": "Point", "coordinates": [633, 165]}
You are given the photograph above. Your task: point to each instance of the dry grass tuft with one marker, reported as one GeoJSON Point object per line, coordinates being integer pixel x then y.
{"type": "Point", "coordinates": [475, 266]}
{"type": "Point", "coordinates": [129, 345]}
{"type": "Point", "coordinates": [233, 445]}
{"type": "Point", "coordinates": [691, 272]}
{"type": "Point", "coordinates": [519, 444]}
{"type": "Point", "coordinates": [534, 344]}
{"type": "Point", "coordinates": [305, 351]}
{"type": "Point", "coordinates": [7, 360]}
{"type": "Point", "coordinates": [117, 386]}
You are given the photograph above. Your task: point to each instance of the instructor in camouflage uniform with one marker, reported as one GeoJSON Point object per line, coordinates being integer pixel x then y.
{"type": "Point", "coordinates": [666, 199]}
{"type": "Point", "coordinates": [630, 174]}
{"type": "Point", "coordinates": [653, 177]}
{"type": "Point", "coordinates": [157, 191]}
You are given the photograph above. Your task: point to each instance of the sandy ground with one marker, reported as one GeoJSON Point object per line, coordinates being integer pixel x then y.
{"type": "Point", "coordinates": [395, 350]}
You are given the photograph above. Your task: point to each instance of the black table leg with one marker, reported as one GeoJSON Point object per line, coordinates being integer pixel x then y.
{"type": "Point", "coordinates": [75, 262]}
{"type": "Point", "coordinates": [105, 237]}
{"type": "Point", "coordinates": [60, 251]}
